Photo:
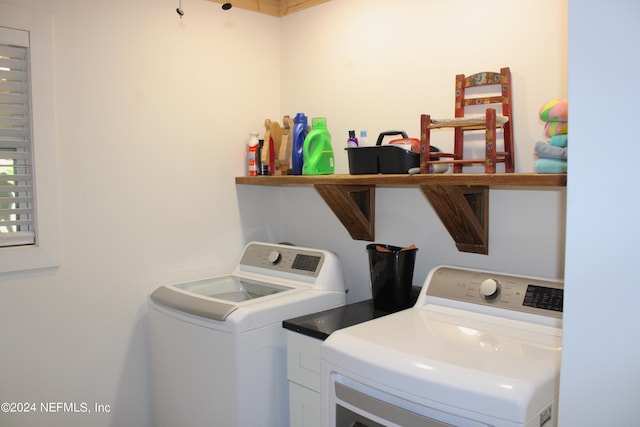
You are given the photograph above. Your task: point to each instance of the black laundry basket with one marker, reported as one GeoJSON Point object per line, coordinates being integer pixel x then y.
{"type": "Point", "coordinates": [384, 159]}
{"type": "Point", "coordinates": [391, 269]}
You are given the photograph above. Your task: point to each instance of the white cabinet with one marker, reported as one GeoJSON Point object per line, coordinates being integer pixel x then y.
{"type": "Point", "coordinates": [303, 372]}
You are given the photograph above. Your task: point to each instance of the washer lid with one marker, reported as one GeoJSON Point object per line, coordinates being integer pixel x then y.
{"type": "Point", "coordinates": [214, 298]}
{"type": "Point", "coordinates": [489, 365]}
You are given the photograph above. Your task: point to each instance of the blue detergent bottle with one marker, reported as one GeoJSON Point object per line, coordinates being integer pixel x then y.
{"type": "Point", "coordinates": [300, 130]}
{"type": "Point", "coordinates": [317, 151]}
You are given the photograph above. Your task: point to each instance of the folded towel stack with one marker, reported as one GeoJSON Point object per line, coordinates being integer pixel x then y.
{"type": "Point", "coordinates": [552, 154]}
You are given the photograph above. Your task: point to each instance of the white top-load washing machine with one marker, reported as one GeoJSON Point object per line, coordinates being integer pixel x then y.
{"type": "Point", "coordinates": [218, 349]}
{"type": "Point", "coordinates": [479, 348]}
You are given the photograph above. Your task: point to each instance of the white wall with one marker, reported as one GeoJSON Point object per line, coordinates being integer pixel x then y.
{"type": "Point", "coordinates": [377, 65]}
{"type": "Point", "coordinates": [600, 380]}
{"type": "Point", "coordinates": [152, 115]}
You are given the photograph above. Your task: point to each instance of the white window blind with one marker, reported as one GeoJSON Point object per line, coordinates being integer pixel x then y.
{"type": "Point", "coordinates": [17, 207]}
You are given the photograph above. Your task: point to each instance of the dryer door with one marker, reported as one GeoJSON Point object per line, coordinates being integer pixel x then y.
{"type": "Point", "coordinates": [353, 404]}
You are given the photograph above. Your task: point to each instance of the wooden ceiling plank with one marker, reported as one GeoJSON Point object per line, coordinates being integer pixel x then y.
{"type": "Point", "coordinates": [273, 7]}
{"type": "Point", "coordinates": [288, 7]}
{"type": "Point", "coordinates": [268, 7]}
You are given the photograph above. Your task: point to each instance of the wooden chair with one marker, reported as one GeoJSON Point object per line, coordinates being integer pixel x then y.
{"type": "Point", "coordinates": [489, 121]}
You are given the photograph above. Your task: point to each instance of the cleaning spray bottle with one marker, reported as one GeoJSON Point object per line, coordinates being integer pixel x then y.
{"type": "Point", "coordinates": [300, 129]}
{"type": "Point", "coordinates": [352, 142]}
{"type": "Point", "coordinates": [317, 151]}
{"type": "Point", "coordinates": [254, 154]}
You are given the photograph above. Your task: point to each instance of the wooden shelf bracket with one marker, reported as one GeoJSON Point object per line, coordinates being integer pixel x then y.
{"type": "Point", "coordinates": [464, 211]}
{"type": "Point", "coordinates": [354, 206]}
{"type": "Point", "coordinates": [460, 200]}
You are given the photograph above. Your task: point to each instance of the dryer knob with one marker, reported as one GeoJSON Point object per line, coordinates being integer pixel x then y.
{"type": "Point", "coordinates": [490, 288]}
{"type": "Point", "coordinates": [274, 257]}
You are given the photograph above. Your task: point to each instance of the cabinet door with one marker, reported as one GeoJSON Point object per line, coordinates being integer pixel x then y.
{"type": "Point", "coordinates": [303, 360]}
{"type": "Point", "coordinates": [304, 406]}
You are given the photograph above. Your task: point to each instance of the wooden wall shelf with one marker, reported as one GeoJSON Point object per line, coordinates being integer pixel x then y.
{"type": "Point", "coordinates": [461, 201]}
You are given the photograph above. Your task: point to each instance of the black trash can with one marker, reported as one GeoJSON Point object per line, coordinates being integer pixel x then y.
{"type": "Point", "coordinates": [391, 269]}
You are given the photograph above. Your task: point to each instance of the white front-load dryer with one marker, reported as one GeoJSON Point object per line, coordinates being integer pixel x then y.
{"type": "Point", "coordinates": [478, 349]}
{"type": "Point", "coordinates": [218, 349]}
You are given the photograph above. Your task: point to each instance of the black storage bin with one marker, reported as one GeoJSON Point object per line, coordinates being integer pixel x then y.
{"type": "Point", "coordinates": [391, 269]}
{"type": "Point", "coordinates": [382, 158]}
{"type": "Point", "coordinates": [363, 160]}
{"type": "Point", "coordinates": [385, 159]}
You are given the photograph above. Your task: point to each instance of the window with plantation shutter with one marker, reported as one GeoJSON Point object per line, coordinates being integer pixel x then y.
{"type": "Point", "coordinates": [17, 216]}
{"type": "Point", "coordinates": [29, 195]}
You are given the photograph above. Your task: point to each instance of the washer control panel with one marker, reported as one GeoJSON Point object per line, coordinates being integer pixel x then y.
{"type": "Point", "coordinates": [290, 259]}
{"type": "Point", "coordinates": [520, 293]}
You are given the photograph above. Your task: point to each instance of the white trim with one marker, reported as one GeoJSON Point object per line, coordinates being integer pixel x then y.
{"type": "Point", "coordinates": [46, 252]}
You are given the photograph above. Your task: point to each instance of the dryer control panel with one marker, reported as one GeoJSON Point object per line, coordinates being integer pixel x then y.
{"type": "Point", "coordinates": [519, 293]}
